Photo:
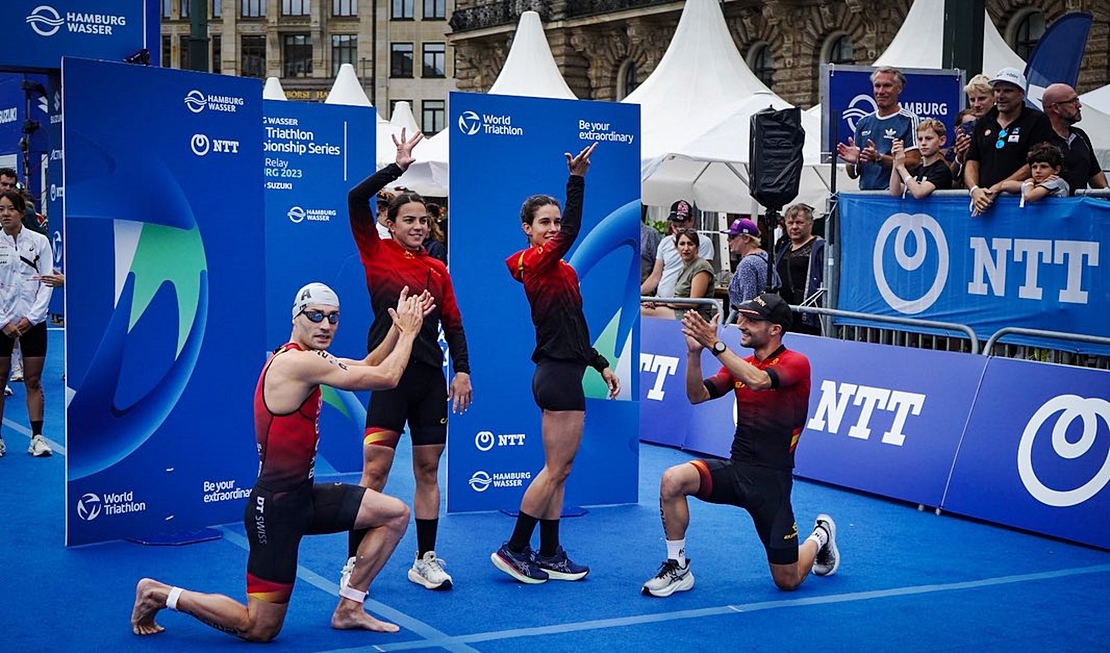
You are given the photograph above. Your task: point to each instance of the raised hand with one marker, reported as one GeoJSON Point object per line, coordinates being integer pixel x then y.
{"type": "Point", "coordinates": [849, 153]}
{"type": "Point", "coordinates": [578, 165]}
{"type": "Point", "coordinates": [404, 148]}
{"type": "Point", "coordinates": [408, 316]}
{"type": "Point", "coordinates": [898, 151]}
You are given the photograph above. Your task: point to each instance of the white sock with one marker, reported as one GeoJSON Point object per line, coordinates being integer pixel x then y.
{"type": "Point", "coordinates": [676, 550]}
{"type": "Point", "coordinates": [820, 536]}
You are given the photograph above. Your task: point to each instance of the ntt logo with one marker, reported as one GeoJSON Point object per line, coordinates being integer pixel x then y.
{"type": "Point", "coordinates": [45, 20]}
{"type": "Point", "coordinates": [199, 144]}
{"type": "Point", "coordinates": [469, 123]}
{"type": "Point", "coordinates": [195, 101]}
{"type": "Point", "coordinates": [480, 481]}
{"type": "Point", "coordinates": [296, 214]}
{"type": "Point", "coordinates": [88, 506]}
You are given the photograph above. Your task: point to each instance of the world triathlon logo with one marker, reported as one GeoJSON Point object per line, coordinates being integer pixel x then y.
{"type": "Point", "coordinates": [88, 506]}
{"type": "Point", "coordinates": [1091, 411]}
{"type": "Point", "coordinates": [480, 481]}
{"type": "Point", "coordinates": [45, 20]}
{"type": "Point", "coordinates": [195, 101]}
{"type": "Point", "coordinates": [469, 123]}
{"type": "Point", "coordinates": [860, 106]}
{"type": "Point", "coordinates": [904, 225]}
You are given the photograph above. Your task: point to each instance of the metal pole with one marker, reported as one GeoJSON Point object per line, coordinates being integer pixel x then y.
{"type": "Point", "coordinates": [963, 36]}
{"type": "Point", "coordinates": [198, 35]}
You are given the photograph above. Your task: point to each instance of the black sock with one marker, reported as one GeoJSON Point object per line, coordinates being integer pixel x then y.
{"type": "Point", "coordinates": [36, 427]}
{"type": "Point", "coordinates": [522, 533]}
{"type": "Point", "coordinates": [549, 537]}
{"type": "Point", "coordinates": [426, 536]}
{"type": "Point", "coordinates": [354, 538]}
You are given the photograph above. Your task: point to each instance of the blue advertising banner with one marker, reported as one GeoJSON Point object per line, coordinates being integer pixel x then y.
{"type": "Point", "coordinates": [40, 32]}
{"type": "Point", "coordinates": [664, 410]}
{"type": "Point", "coordinates": [54, 182]}
{"type": "Point", "coordinates": [847, 96]}
{"type": "Point", "coordinates": [1037, 451]}
{"type": "Point", "coordinates": [874, 427]}
{"type": "Point", "coordinates": [1037, 267]}
{"type": "Point", "coordinates": [1058, 55]}
{"type": "Point", "coordinates": [314, 154]}
{"type": "Point", "coordinates": [504, 149]}
{"type": "Point", "coordinates": [165, 310]}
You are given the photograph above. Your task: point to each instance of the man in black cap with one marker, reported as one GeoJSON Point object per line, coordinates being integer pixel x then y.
{"type": "Point", "coordinates": [772, 402]}
{"type": "Point", "coordinates": [668, 263]}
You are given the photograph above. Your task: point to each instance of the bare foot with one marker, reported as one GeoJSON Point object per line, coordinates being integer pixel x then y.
{"type": "Point", "coordinates": [351, 616]}
{"type": "Point", "coordinates": [150, 597]}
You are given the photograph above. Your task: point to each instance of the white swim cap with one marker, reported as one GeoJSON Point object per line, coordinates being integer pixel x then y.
{"type": "Point", "coordinates": [314, 293]}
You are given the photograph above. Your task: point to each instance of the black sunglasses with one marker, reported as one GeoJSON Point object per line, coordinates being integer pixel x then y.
{"type": "Point", "coordinates": [318, 316]}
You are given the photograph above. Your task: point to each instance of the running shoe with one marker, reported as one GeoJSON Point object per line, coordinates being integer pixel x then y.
{"type": "Point", "coordinates": [828, 557]}
{"type": "Point", "coordinates": [521, 566]}
{"type": "Point", "coordinates": [560, 567]}
{"type": "Point", "coordinates": [428, 571]}
{"type": "Point", "coordinates": [3, 448]}
{"type": "Point", "coordinates": [8, 391]}
{"type": "Point", "coordinates": [345, 574]}
{"type": "Point", "coordinates": [38, 447]}
{"type": "Point", "coordinates": [672, 577]}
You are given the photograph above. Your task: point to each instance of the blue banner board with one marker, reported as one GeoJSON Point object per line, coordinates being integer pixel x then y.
{"type": "Point", "coordinates": [165, 309]}
{"type": "Point", "coordinates": [504, 149]}
{"type": "Point", "coordinates": [313, 154]}
{"type": "Point", "coordinates": [847, 95]}
{"type": "Point", "coordinates": [1037, 451]}
{"type": "Point", "coordinates": [38, 33]}
{"type": "Point", "coordinates": [664, 410]}
{"type": "Point", "coordinates": [55, 184]}
{"type": "Point", "coordinates": [1037, 267]}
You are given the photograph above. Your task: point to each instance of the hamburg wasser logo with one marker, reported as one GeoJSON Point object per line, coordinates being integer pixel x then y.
{"type": "Point", "coordinates": [195, 101]}
{"type": "Point", "coordinates": [860, 106]}
{"type": "Point", "coordinates": [45, 20]}
{"type": "Point", "coordinates": [297, 215]}
{"type": "Point", "coordinates": [479, 481]}
{"type": "Point", "coordinates": [470, 123]}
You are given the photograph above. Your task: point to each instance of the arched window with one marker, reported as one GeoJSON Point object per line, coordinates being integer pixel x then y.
{"type": "Point", "coordinates": [762, 64]}
{"type": "Point", "coordinates": [1029, 30]}
{"type": "Point", "coordinates": [839, 50]}
{"type": "Point", "coordinates": [628, 78]}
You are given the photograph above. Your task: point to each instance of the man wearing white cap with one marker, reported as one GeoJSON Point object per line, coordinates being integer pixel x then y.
{"type": "Point", "coordinates": [1002, 139]}
{"type": "Point", "coordinates": [286, 504]}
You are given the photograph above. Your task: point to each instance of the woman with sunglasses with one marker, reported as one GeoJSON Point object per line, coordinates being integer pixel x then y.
{"type": "Point", "coordinates": [562, 353]}
{"type": "Point", "coordinates": [421, 398]}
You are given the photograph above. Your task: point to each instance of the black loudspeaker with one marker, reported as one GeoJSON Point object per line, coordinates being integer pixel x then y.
{"type": "Point", "coordinates": [776, 156]}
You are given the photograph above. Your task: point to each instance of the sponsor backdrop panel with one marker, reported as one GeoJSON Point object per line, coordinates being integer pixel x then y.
{"type": "Point", "coordinates": [313, 154]}
{"type": "Point", "coordinates": [54, 183]}
{"type": "Point", "coordinates": [885, 419]}
{"type": "Point", "coordinates": [1037, 267]}
{"type": "Point", "coordinates": [39, 33]}
{"type": "Point", "coordinates": [847, 95]}
{"type": "Point", "coordinates": [1037, 451]}
{"type": "Point", "coordinates": [504, 149]}
{"type": "Point", "coordinates": [164, 341]}
{"type": "Point", "coordinates": [664, 409]}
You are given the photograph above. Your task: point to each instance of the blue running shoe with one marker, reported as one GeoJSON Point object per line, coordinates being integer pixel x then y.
{"type": "Point", "coordinates": [560, 567]}
{"type": "Point", "coordinates": [521, 566]}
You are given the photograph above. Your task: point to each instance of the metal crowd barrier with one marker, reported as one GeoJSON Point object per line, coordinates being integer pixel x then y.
{"type": "Point", "coordinates": [686, 301]}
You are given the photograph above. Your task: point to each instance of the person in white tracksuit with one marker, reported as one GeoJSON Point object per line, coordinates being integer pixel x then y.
{"type": "Point", "coordinates": [24, 304]}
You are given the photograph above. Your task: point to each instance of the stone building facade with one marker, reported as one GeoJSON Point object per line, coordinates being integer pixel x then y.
{"type": "Point", "coordinates": [604, 48]}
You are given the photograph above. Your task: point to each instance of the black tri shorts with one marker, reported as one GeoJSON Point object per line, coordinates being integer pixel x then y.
{"type": "Point", "coordinates": [31, 344]}
{"type": "Point", "coordinates": [420, 399]}
{"type": "Point", "coordinates": [557, 385]}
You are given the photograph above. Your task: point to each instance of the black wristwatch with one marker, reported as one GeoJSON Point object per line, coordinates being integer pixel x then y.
{"type": "Point", "coordinates": [719, 348]}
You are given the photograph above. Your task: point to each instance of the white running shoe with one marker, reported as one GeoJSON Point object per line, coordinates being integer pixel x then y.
{"type": "Point", "coordinates": [3, 448]}
{"type": "Point", "coordinates": [671, 578]}
{"type": "Point", "coordinates": [8, 391]}
{"type": "Point", "coordinates": [428, 571]}
{"type": "Point", "coordinates": [39, 447]}
{"type": "Point", "coordinates": [345, 575]}
{"type": "Point", "coordinates": [828, 557]}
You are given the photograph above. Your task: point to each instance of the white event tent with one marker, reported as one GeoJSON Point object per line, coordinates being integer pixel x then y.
{"type": "Point", "coordinates": [695, 119]}
{"type": "Point", "coordinates": [529, 71]}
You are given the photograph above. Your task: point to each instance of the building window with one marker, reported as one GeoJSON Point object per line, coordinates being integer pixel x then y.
{"type": "Point", "coordinates": [217, 8]}
{"type": "Point", "coordinates": [296, 7]}
{"type": "Point", "coordinates": [297, 52]}
{"type": "Point", "coordinates": [403, 9]}
{"type": "Point", "coordinates": [400, 60]}
{"type": "Point", "coordinates": [167, 51]}
{"type": "Point", "coordinates": [628, 78]}
{"type": "Point", "coordinates": [1029, 30]}
{"type": "Point", "coordinates": [344, 7]}
{"type": "Point", "coordinates": [184, 61]}
{"type": "Point", "coordinates": [762, 64]}
{"type": "Point", "coordinates": [252, 50]}
{"type": "Point", "coordinates": [252, 8]}
{"type": "Point", "coordinates": [167, 8]}
{"type": "Point", "coordinates": [435, 9]}
{"type": "Point", "coordinates": [344, 49]}
{"type": "Point", "coordinates": [434, 116]}
{"type": "Point", "coordinates": [183, 7]}
{"type": "Point", "coordinates": [839, 50]}
{"type": "Point", "coordinates": [217, 51]}
{"type": "Point", "coordinates": [435, 60]}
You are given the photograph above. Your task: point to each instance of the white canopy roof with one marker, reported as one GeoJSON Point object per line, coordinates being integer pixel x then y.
{"type": "Point", "coordinates": [912, 46]}
{"type": "Point", "coordinates": [529, 71]}
{"type": "Point", "coordinates": [402, 117]}
{"type": "Point", "coordinates": [1097, 99]}
{"type": "Point", "coordinates": [273, 90]}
